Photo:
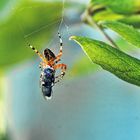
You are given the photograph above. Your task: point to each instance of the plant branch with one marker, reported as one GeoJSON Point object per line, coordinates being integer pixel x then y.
{"type": "Point", "coordinates": [87, 18]}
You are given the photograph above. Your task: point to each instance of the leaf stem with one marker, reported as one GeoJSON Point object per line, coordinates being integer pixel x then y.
{"type": "Point", "coordinates": [87, 19]}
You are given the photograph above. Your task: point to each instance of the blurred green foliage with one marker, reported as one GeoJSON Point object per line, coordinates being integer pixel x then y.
{"type": "Point", "coordinates": [30, 22]}
{"type": "Point", "coordinates": [83, 67]}
{"type": "Point", "coordinates": [131, 20]}
{"type": "Point", "coordinates": [120, 6]}
{"type": "Point", "coordinates": [127, 32]}
{"type": "Point", "coordinates": [107, 14]}
{"type": "Point", "coordinates": [126, 11]}
{"type": "Point", "coordinates": [3, 3]}
{"type": "Point", "coordinates": [4, 137]}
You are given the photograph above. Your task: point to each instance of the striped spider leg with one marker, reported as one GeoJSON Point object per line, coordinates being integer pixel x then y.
{"type": "Point", "coordinates": [57, 59]}
{"type": "Point", "coordinates": [44, 61]}
{"type": "Point", "coordinates": [63, 67]}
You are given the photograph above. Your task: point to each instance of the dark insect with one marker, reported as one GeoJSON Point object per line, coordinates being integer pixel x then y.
{"type": "Point", "coordinates": [48, 68]}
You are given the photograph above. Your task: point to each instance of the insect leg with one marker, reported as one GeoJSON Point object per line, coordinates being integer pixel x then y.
{"type": "Point", "coordinates": [57, 81]}
{"type": "Point", "coordinates": [40, 65]}
{"type": "Point", "coordinates": [63, 68]}
{"type": "Point", "coordinates": [40, 81]}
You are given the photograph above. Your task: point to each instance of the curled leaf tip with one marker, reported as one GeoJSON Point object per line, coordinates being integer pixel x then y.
{"type": "Point", "coordinates": [72, 37]}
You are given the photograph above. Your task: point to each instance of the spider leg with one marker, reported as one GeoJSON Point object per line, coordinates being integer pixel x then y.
{"type": "Point", "coordinates": [63, 68]}
{"type": "Point", "coordinates": [39, 54]}
{"type": "Point", "coordinates": [60, 51]}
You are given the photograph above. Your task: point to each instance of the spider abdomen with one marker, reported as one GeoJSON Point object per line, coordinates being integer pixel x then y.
{"type": "Point", "coordinates": [49, 55]}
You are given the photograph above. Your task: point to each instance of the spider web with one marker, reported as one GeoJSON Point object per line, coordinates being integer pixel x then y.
{"type": "Point", "coordinates": [61, 22]}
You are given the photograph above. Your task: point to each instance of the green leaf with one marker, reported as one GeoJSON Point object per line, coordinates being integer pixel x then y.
{"type": "Point", "coordinates": [108, 15]}
{"type": "Point", "coordinates": [126, 31]}
{"type": "Point", "coordinates": [120, 6]}
{"type": "Point", "coordinates": [100, 13]}
{"type": "Point", "coordinates": [133, 20]}
{"type": "Point", "coordinates": [122, 65]}
{"type": "Point", "coordinates": [31, 22]}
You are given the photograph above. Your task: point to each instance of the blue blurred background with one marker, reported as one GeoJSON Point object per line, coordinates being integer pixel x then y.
{"type": "Point", "coordinates": [88, 103]}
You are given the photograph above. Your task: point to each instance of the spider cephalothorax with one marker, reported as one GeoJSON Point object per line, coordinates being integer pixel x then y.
{"type": "Point", "coordinates": [48, 67]}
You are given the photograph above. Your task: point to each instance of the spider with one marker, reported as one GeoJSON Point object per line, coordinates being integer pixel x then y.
{"type": "Point", "coordinates": [48, 68]}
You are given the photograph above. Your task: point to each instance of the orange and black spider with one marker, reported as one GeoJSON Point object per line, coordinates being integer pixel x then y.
{"type": "Point", "coordinates": [48, 68]}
